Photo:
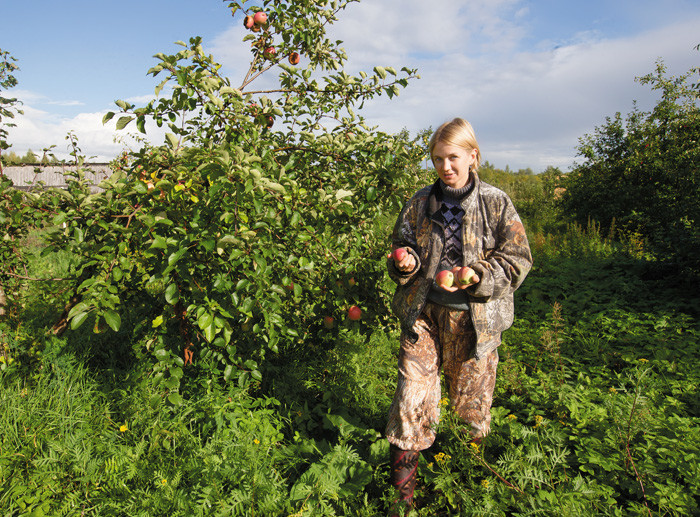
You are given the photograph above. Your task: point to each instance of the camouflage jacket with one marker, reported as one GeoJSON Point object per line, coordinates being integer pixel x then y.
{"type": "Point", "coordinates": [494, 245]}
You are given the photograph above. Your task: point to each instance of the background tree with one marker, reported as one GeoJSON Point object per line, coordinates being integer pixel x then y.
{"type": "Point", "coordinates": [642, 173]}
{"type": "Point", "coordinates": [8, 105]}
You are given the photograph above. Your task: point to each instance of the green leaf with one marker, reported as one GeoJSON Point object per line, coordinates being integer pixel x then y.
{"type": "Point", "coordinates": [380, 71]}
{"type": "Point", "coordinates": [78, 320]}
{"type": "Point", "coordinates": [172, 140]}
{"type": "Point", "coordinates": [113, 319]}
{"type": "Point", "coordinates": [175, 399]}
{"type": "Point", "coordinates": [172, 294]}
{"type": "Point", "coordinates": [123, 121]}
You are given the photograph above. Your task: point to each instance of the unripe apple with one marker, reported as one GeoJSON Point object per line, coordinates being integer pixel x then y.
{"type": "Point", "coordinates": [260, 18]}
{"type": "Point", "coordinates": [248, 22]}
{"type": "Point", "coordinates": [269, 52]}
{"type": "Point", "coordinates": [351, 281]}
{"type": "Point", "coordinates": [445, 278]}
{"type": "Point", "coordinates": [354, 313]}
{"type": "Point", "coordinates": [328, 322]}
{"type": "Point", "coordinates": [399, 254]}
{"type": "Point", "coordinates": [464, 276]}
{"type": "Point", "coordinates": [294, 58]}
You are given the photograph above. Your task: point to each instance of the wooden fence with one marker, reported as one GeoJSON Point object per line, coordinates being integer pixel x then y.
{"type": "Point", "coordinates": [25, 177]}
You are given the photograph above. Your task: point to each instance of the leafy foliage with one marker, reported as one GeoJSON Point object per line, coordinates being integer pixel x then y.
{"type": "Point", "coordinates": [640, 174]}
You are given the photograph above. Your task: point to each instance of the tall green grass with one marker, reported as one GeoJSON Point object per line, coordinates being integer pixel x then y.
{"type": "Point", "coordinates": [596, 412]}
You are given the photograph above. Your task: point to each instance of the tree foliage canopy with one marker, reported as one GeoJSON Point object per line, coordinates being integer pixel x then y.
{"type": "Point", "coordinates": [641, 173]}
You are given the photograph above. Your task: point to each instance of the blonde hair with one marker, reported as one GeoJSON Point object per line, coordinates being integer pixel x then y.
{"type": "Point", "coordinates": [457, 132]}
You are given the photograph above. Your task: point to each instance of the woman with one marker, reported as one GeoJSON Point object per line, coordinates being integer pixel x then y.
{"type": "Point", "coordinates": [462, 222]}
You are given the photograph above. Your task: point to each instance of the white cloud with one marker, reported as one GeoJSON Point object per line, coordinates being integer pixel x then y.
{"type": "Point", "coordinates": [529, 100]}
{"type": "Point", "coordinates": [529, 107]}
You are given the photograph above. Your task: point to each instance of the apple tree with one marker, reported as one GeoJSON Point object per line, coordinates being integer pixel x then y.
{"type": "Point", "coordinates": [254, 227]}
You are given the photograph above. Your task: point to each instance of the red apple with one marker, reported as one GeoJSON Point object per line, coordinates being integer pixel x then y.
{"type": "Point", "coordinates": [294, 58]}
{"type": "Point", "coordinates": [464, 276]}
{"type": "Point", "coordinates": [248, 22]}
{"type": "Point", "coordinates": [399, 254]}
{"type": "Point", "coordinates": [445, 278]}
{"type": "Point", "coordinates": [260, 18]}
{"type": "Point", "coordinates": [328, 322]}
{"type": "Point", "coordinates": [354, 313]}
{"type": "Point", "coordinates": [269, 52]}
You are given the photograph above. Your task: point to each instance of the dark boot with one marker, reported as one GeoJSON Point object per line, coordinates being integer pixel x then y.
{"type": "Point", "coordinates": [404, 466]}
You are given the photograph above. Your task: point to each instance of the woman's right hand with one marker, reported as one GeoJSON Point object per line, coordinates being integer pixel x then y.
{"type": "Point", "coordinates": [403, 260]}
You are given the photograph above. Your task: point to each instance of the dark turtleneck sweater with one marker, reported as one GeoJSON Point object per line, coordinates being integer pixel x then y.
{"type": "Point", "coordinates": [452, 215]}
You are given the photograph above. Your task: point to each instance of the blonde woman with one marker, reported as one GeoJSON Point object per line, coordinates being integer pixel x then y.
{"type": "Point", "coordinates": [463, 225]}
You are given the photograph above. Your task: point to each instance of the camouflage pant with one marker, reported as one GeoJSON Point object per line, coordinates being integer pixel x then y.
{"type": "Point", "coordinates": [446, 339]}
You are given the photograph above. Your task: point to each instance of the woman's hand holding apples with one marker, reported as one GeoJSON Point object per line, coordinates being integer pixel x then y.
{"type": "Point", "coordinates": [404, 261]}
{"type": "Point", "coordinates": [456, 279]}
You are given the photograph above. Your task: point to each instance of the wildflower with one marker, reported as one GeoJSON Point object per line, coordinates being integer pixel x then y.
{"type": "Point", "coordinates": [538, 420]}
{"type": "Point", "coordinates": [642, 360]}
{"type": "Point", "coordinates": [475, 447]}
{"type": "Point", "coordinates": [485, 483]}
{"type": "Point", "coordinates": [164, 481]}
{"type": "Point", "coordinates": [444, 402]}
{"type": "Point", "coordinates": [256, 441]}
{"type": "Point", "coordinates": [430, 465]}
{"type": "Point", "coordinates": [441, 457]}
{"type": "Point", "coordinates": [612, 390]}
{"type": "Point", "coordinates": [512, 417]}
{"type": "Point", "coordinates": [123, 428]}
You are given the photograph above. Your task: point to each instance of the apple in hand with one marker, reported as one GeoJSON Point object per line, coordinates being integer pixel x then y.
{"type": "Point", "coordinates": [465, 276]}
{"type": "Point", "coordinates": [399, 254]}
{"type": "Point", "coordinates": [354, 313]}
{"type": "Point", "coordinates": [445, 278]}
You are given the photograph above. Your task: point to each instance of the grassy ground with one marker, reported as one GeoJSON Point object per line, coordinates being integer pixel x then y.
{"type": "Point", "coordinates": [596, 412]}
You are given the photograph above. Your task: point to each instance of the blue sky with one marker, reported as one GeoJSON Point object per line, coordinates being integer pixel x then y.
{"type": "Point", "coordinates": [532, 76]}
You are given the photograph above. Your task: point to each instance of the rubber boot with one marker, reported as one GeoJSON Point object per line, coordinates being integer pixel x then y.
{"type": "Point", "coordinates": [404, 466]}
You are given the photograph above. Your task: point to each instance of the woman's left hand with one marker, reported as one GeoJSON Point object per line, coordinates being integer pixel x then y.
{"type": "Point", "coordinates": [463, 277]}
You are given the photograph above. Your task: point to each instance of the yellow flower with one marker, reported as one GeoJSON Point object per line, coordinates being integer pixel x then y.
{"type": "Point", "coordinates": [256, 441]}
{"type": "Point", "coordinates": [512, 417]}
{"type": "Point", "coordinates": [441, 457]}
{"type": "Point", "coordinates": [485, 483]}
{"type": "Point", "coordinates": [430, 465]}
{"type": "Point", "coordinates": [642, 360]}
{"type": "Point", "coordinates": [444, 402]}
{"type": "Point", "coordinates": [164, 481]}
{"type": "Point", "coordinates": [612, 390]}
{"type": "Point", "coordinates": [538, 420]}
{"type": "Point", "coordinates": [474, 446]}
{"type": "Point", "coordinates": [123, 428]}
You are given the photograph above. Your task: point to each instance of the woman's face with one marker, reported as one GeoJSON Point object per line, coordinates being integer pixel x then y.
{"type": "Point", "coordinates": [452, 163]}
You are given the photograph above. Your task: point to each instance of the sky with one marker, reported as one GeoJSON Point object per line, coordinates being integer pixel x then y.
{"type": "Point", "coordinates": [532, 76]}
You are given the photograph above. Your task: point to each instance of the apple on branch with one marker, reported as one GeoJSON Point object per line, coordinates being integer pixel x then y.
{"type": "Point", "coordinates": [260, 18]}
{"type": "Point", "coordinates": [354, 313]}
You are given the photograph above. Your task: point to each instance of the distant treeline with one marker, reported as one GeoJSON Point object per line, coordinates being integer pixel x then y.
{"type": "Point", "coordinates": [30, 158]}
